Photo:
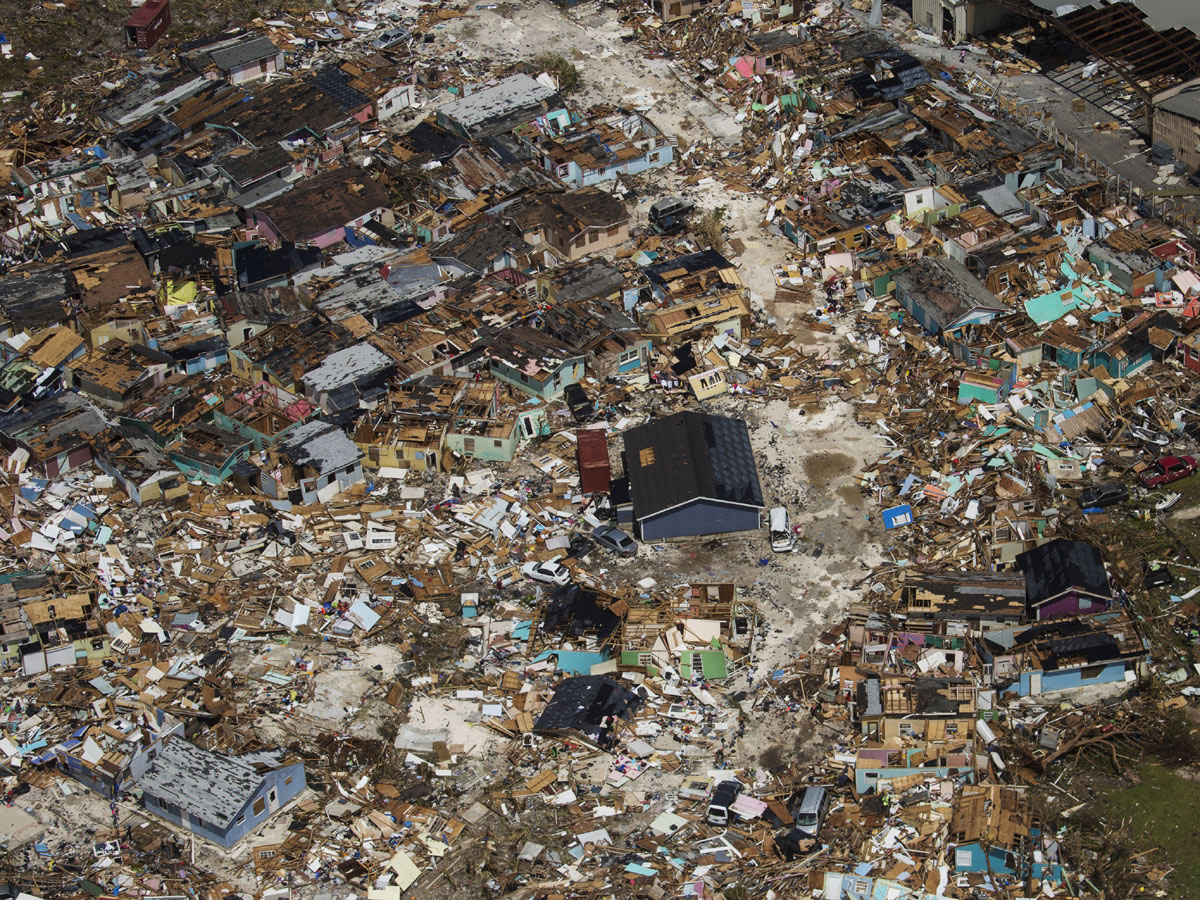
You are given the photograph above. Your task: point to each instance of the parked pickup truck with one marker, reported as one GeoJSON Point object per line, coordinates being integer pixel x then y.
{"type": "Point", "coordinates": [1166, 470]}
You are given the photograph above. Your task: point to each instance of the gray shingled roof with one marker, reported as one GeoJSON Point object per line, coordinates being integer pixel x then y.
{"type": "Point", "coordinates": [321, 445]}
{"type": "Point", "coordinates": [216, 788]}
{"type": "Point", "coordinates": [256, 48]}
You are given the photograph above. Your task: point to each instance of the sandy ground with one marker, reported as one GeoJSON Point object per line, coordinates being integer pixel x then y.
{"type": "Point", "coordinates": [806, 463]}
{"type": "Point", "coordinates": [613, 70]}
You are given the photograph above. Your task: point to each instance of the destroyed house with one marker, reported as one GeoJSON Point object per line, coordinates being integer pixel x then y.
{"type": "Point", "coordinates": [691, 474]}
{"type": "Point", "coordinates": [248, 313]}
{"type": "Point", "coordinates": [576, 611]}
{"type": "Point", "coordinates": [390, 87]}
{"type": "Point", "coordinates": [138, 467]}
{"type": "Point", "coordinates": [1064, 578]}
{"type": "Point", "coordinates": [1064, 347]}
{"type": "Point", "coordinates": [1126, 259]}
{"type": "Point", "coordinates": [259, 267]}
{"type": "Point", "coordinates": [195, 353]}
{"type": "Point", "coordinates": [533, 361]}
{"type": "Point", "coordinates": [116, 375]}
{"type": "Point", "coordinates": [601, 148]}
{"type": "Point", "coordinates": [64, 628]}
{"type": "Point", "coordinates": [318, 462]}
{"type": "Point", "coordinates": [673, 10]}
{"type": "Point", "coordinates": [882, 769]}
{"type": "Point", "coordinates": [573, 223]}
{"type": "Point", "coordinates": [990, 382]}
{"type": "Point", "coordinates": [317, 112]}
{"type": "Point", "coordinates": [716, 312]}
{"type": "Point", "coordinates": [817, 226]}
{"type": "Point", "coordinates": [690, 275]}
{"type": "Point", "coordinates": [1063, 654]}
{"type": "Point", "coordinates": [589, 706]}
{"type": "Point", "coordinates": [217, 797]}
{"type": "Point", "coordinates": [498, 109]}
{"type": "Point", "coordinates": [208, 453]}
{"type": "Point", "coordinates": [1148, 336]}
{"type": "Point", "coordinates": [491, 420]}
{"type": "Point", "coordinates": [55, 432]}
{"type": "Point", "coordinates": [36, 298]}
{"type": "Point", "coordinates": [611, 340]}
{"type": "Point", "coordinates": [959, 601]}
{"type": "Point", "coordinates": [926, 708]}
{"type": "Point", "coordinates": [171, 406]}
{"type": "Point", "coordinates": [890, 77]}
{"type": "Point", "coordinates": [262, 416]}
{"type": "Point", "coordinates": [245, 170]}
{"type": "Point", "coordinates": [348, 376]}
{"type": "Point", "coordinates": [993, 832]}
{"type": "Point", "coordinates": [697, 629]}
{"type": "Point", "coordinates": [774, 49]}
{"type": "Point", "coordinates": [947, 300]}
{"type": "Point", "coordinates": [284, 352]}
{"type": "Point", "coordinates": [408, 429]}
{"type": "Point", "coordinates": [108, 758]}
{"type": "Point", "coordinates": [587, 279]}
{"type": "Point", "coordinates": [322, 210]}
{"type": "Point", "coordinates": [485, 247]}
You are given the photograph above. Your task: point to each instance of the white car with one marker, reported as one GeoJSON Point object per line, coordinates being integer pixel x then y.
{"type": "Point", "coordinates": [549, 572]}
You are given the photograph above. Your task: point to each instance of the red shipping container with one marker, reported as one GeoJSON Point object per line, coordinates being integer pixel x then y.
{"type": "Point", "coordinates": [147, 24]}
{"type": "Point", "coordinates": [592, 455]}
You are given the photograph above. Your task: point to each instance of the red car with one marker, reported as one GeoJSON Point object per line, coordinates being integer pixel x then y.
{"type": "Point", "coordinates": [1166, 470]}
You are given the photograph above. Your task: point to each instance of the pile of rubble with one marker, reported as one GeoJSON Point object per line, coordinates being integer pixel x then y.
{"type": "Point", "coordinates": [421, 480]}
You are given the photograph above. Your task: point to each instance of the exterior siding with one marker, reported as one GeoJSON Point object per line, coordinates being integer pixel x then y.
{"type": "Point", "coordinates": [1070, 605]}
{"type": "Point", "coordinates": [1068, 679]}
{"type": "Point", "coordinates": [247, 820]}
{"type": "Point", "coordinates": [699, 517]}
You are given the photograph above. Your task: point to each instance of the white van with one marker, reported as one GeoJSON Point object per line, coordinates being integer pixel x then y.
{"type": "Point", "coordinates": [781, 530]}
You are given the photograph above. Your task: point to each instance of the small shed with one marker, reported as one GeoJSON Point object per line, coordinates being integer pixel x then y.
{"type": "Point", "coordinates": [147, 24]}
{"type": "Point", "coordinates": [591, 448]}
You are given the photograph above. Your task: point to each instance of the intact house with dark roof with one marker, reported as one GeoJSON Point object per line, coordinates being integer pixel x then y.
{"type": "Point", "coordinates": [534, 362]}
{"type": "Point", "coordinates": [691, 474]}
{"type": "Point", "coordinates": [320, 210]}
{"type": "Point", "coordinates": [219, 798]}
{"type": "Point", "coordinates": [947, 300]}
{"type": "Point", "coordinates": [314, 462]}
{"type": "Point", "coordinates": [1064, 578]}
